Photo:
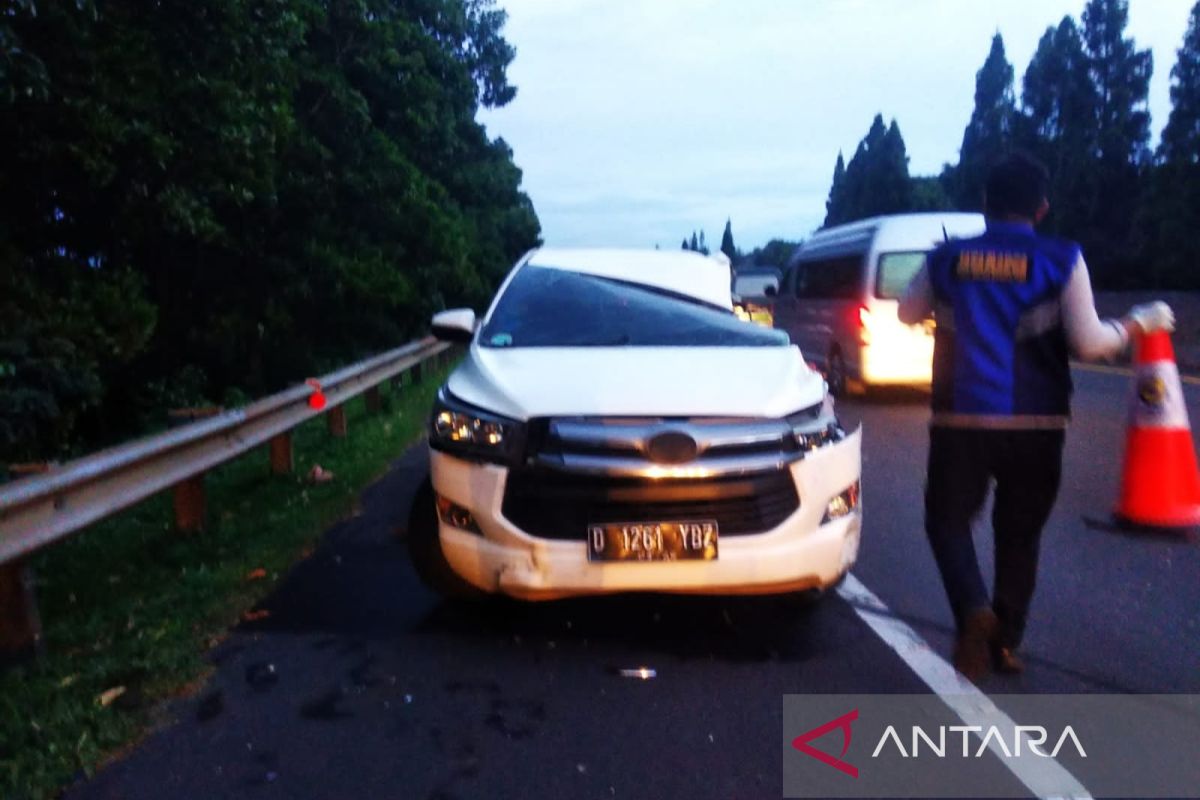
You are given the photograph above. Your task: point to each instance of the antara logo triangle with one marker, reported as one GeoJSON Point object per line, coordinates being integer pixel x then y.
{"type": "Point", "coordinates": [801, 742]}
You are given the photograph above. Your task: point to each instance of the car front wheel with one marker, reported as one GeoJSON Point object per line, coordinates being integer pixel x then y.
{"type": "Point", "coordinates": [835, 373]}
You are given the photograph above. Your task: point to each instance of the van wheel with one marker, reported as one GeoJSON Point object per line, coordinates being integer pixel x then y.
{"type": "Point", "coordinates": [425, 549]}
{"type": "Point", "coordinates": [835, 373]}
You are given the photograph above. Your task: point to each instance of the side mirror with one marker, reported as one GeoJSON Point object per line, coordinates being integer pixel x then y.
{"type": "Point", "coordinates": [770, 291]}
{"type": "Point", "coordinates": [455, 325]}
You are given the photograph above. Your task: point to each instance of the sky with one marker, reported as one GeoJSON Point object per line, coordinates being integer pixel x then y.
{"type": "Point", "coordinates": [639, 121]}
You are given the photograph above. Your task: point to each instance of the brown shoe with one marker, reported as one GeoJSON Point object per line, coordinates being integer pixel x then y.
{"type": "Point", "coordinates": [1006, 660]}
{"type": "Point", "coordinates": [972, 651]}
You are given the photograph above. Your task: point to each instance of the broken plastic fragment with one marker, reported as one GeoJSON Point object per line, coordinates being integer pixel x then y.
{"type": "Point", "coordinates": [261, 675]}
{"type": "Point", "coordinates": [641, 673]}
{"type": "Point", "coordinates": [107, 697]}
{"type": "Point", "coordinates": [319, 475]}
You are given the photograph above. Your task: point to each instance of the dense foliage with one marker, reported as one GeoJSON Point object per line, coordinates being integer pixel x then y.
{"type": "Point", "coordinates": [876, 180]}
{"type": "Point", "coordinates": [695, 244]}
{"type": "Point", "coordinates": [727, 245]}
{"type": "Point", "coordinates": [203, 201]}
{"type": "Point", "coordinates": [1083, 111]}
{"type": "Point", "coordinates": [774, 253]}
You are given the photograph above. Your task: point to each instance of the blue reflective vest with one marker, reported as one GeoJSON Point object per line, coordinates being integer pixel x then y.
{"type": "Point", "coordinates": [1000, 349]}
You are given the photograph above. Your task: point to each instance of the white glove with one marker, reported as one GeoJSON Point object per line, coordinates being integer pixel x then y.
{"type": "Point", "coordinates": [1152, 317]}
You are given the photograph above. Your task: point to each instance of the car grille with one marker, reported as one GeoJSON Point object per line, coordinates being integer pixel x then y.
{"type": "Point", "coordinates": [558, 505]}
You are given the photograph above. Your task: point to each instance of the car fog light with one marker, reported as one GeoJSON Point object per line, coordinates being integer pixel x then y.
{"type": "Point", "coordinates": [456, 516]}
{"type": "Point", "coordinates": [455, 427]}
{"type": "Point", "coordinates": [845, 503]}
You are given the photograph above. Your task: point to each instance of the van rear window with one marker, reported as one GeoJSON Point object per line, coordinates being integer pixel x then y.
{"type": "Point", "coordinates": [896, 271]}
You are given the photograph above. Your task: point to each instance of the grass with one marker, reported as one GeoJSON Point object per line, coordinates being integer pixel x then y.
{"type": "Point", "coordinates": [131, 603]}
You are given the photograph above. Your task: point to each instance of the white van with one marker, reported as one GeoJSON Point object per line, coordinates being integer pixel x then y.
{"type": "Point", "coordinates": [840, 293]}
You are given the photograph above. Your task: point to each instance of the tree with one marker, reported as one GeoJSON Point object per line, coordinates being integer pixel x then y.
{"type": "Point", "coordinates": [774, 253]}
{"type": "Point", "coordinates": [694, 245]}
{"type": "Point", "coordinates": [928, 193]}
{"type": "Point", "coordinates": [1120, 75]}
{"type": "Point", "coordinates": [1181, 136]}
{"type": "Point", "coordinates": [701, 246]}
{"type": "Point", "coordinates": [1057, 124]}
{"type": "Point", "coordinates": [989, 132]}
{"type": "Point", "coordinates": [685, 246]}
{"type": "Point", "coordinates": [890, 175]}
{"type": "Point", "coordinates": [727, 242]}
{"type": "Point", "coordinates": [876, 181]}
{"type": "Point", "coordinates": [1170, 214]}
{"type": "Point", "coordinates": [836, 204]}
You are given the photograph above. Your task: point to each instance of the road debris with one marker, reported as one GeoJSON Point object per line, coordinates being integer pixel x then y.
{"type": "Point", "coordinates": [256, 574]}
{"type": "Point", "coordinates": [319, 475]}
{"type": "Point", "coordinates": [261, 676]}
{"type": "Point", "coordinates": [639, 673]}
{"type": "Point", "coordinates": [255, 616]}
{"type": "Point", "coordinates": [107, 697]}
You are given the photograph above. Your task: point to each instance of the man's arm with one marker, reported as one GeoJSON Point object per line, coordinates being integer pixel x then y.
{"type": "Point", "coordinates": [917, 302]}
{"type": "Point", "coordinates": [1091, 338]}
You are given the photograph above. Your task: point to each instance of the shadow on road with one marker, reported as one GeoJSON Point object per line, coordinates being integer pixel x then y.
{"type": "Point", "coordinates": [686, 627]}
{"type": "Point", "coordinates": [890, 396]}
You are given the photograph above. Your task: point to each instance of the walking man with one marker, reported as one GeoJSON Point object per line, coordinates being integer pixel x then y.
{"type": "Point", "coordinates": [1010, 306]}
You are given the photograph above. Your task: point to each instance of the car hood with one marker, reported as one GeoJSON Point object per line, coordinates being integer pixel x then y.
{"type": "Point", "coordinates": [522, 383]}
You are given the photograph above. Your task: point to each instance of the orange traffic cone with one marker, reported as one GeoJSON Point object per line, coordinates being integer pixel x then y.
{"type": "Point", "coordinates": [1160, 487]}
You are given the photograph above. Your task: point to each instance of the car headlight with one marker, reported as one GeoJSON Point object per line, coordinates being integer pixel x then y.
{"type": "Point", "coordinates": [463, 430]}
{"type": "Point", "coordinates": [815, 427]}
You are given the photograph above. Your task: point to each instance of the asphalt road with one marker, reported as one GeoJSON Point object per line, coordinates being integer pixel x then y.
{"type": "Point", "coordinates": [362, 684]}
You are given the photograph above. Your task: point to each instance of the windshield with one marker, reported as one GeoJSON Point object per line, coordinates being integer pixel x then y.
{"type": "Point", "coordinates": [896, 271]}
{"type": "Point", "coordinates": [547, 307]}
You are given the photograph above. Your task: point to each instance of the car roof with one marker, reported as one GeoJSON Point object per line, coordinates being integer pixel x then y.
{"type": "Point", "coordinates": [893, 232]}
{"type": "Point", "coordinates": [680, 271]}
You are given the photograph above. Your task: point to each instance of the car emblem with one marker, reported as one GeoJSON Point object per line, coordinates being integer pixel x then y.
{"type": "Point", "coordinates": [671, 447]}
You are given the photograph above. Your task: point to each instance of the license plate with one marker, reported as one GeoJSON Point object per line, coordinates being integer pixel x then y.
{"type": "Point", "coordinates": [653, 541]}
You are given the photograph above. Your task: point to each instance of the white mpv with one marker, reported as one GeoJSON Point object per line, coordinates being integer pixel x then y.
{"type": "Point", "coordinates": [614, 427]}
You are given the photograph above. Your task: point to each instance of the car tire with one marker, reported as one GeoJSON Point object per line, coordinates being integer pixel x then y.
{"type": "Point", "coordinates": [425, 549]}
{"type": "Point", "coordinates": [835, 373]}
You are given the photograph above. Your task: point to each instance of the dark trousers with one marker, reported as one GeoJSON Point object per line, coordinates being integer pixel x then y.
{"type": "Point", "coordinates": [1026, 466]}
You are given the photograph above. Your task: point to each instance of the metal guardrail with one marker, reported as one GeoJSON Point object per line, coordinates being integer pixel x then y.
{"type": "Point", "coordinates": [40, 510]}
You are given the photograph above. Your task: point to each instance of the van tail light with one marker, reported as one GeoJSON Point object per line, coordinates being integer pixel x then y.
{"type": "Point", "coordinates": [863, 324]}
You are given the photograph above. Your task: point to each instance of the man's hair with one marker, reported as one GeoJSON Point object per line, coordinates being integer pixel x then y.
{"type": "Point", "coordinates": [1016, 186]}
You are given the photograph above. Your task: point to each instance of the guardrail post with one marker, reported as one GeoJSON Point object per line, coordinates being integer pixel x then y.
{"type": "Point", "coordinates": [189, 504]}
{"type": "Point", "coordinates": [374, 404]}
{"type": "Point", "coordinates": [20, 623]}
{"type": "Point", "coordinates": [282, 459]}
{"type": "Point", "coordinates": [336, 417]}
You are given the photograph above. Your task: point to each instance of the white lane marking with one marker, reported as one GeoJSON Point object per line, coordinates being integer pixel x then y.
{"type": "Point", "coordinates": [1044, 777]}
{"type": "Point", "coordinates": [1124, 371]}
